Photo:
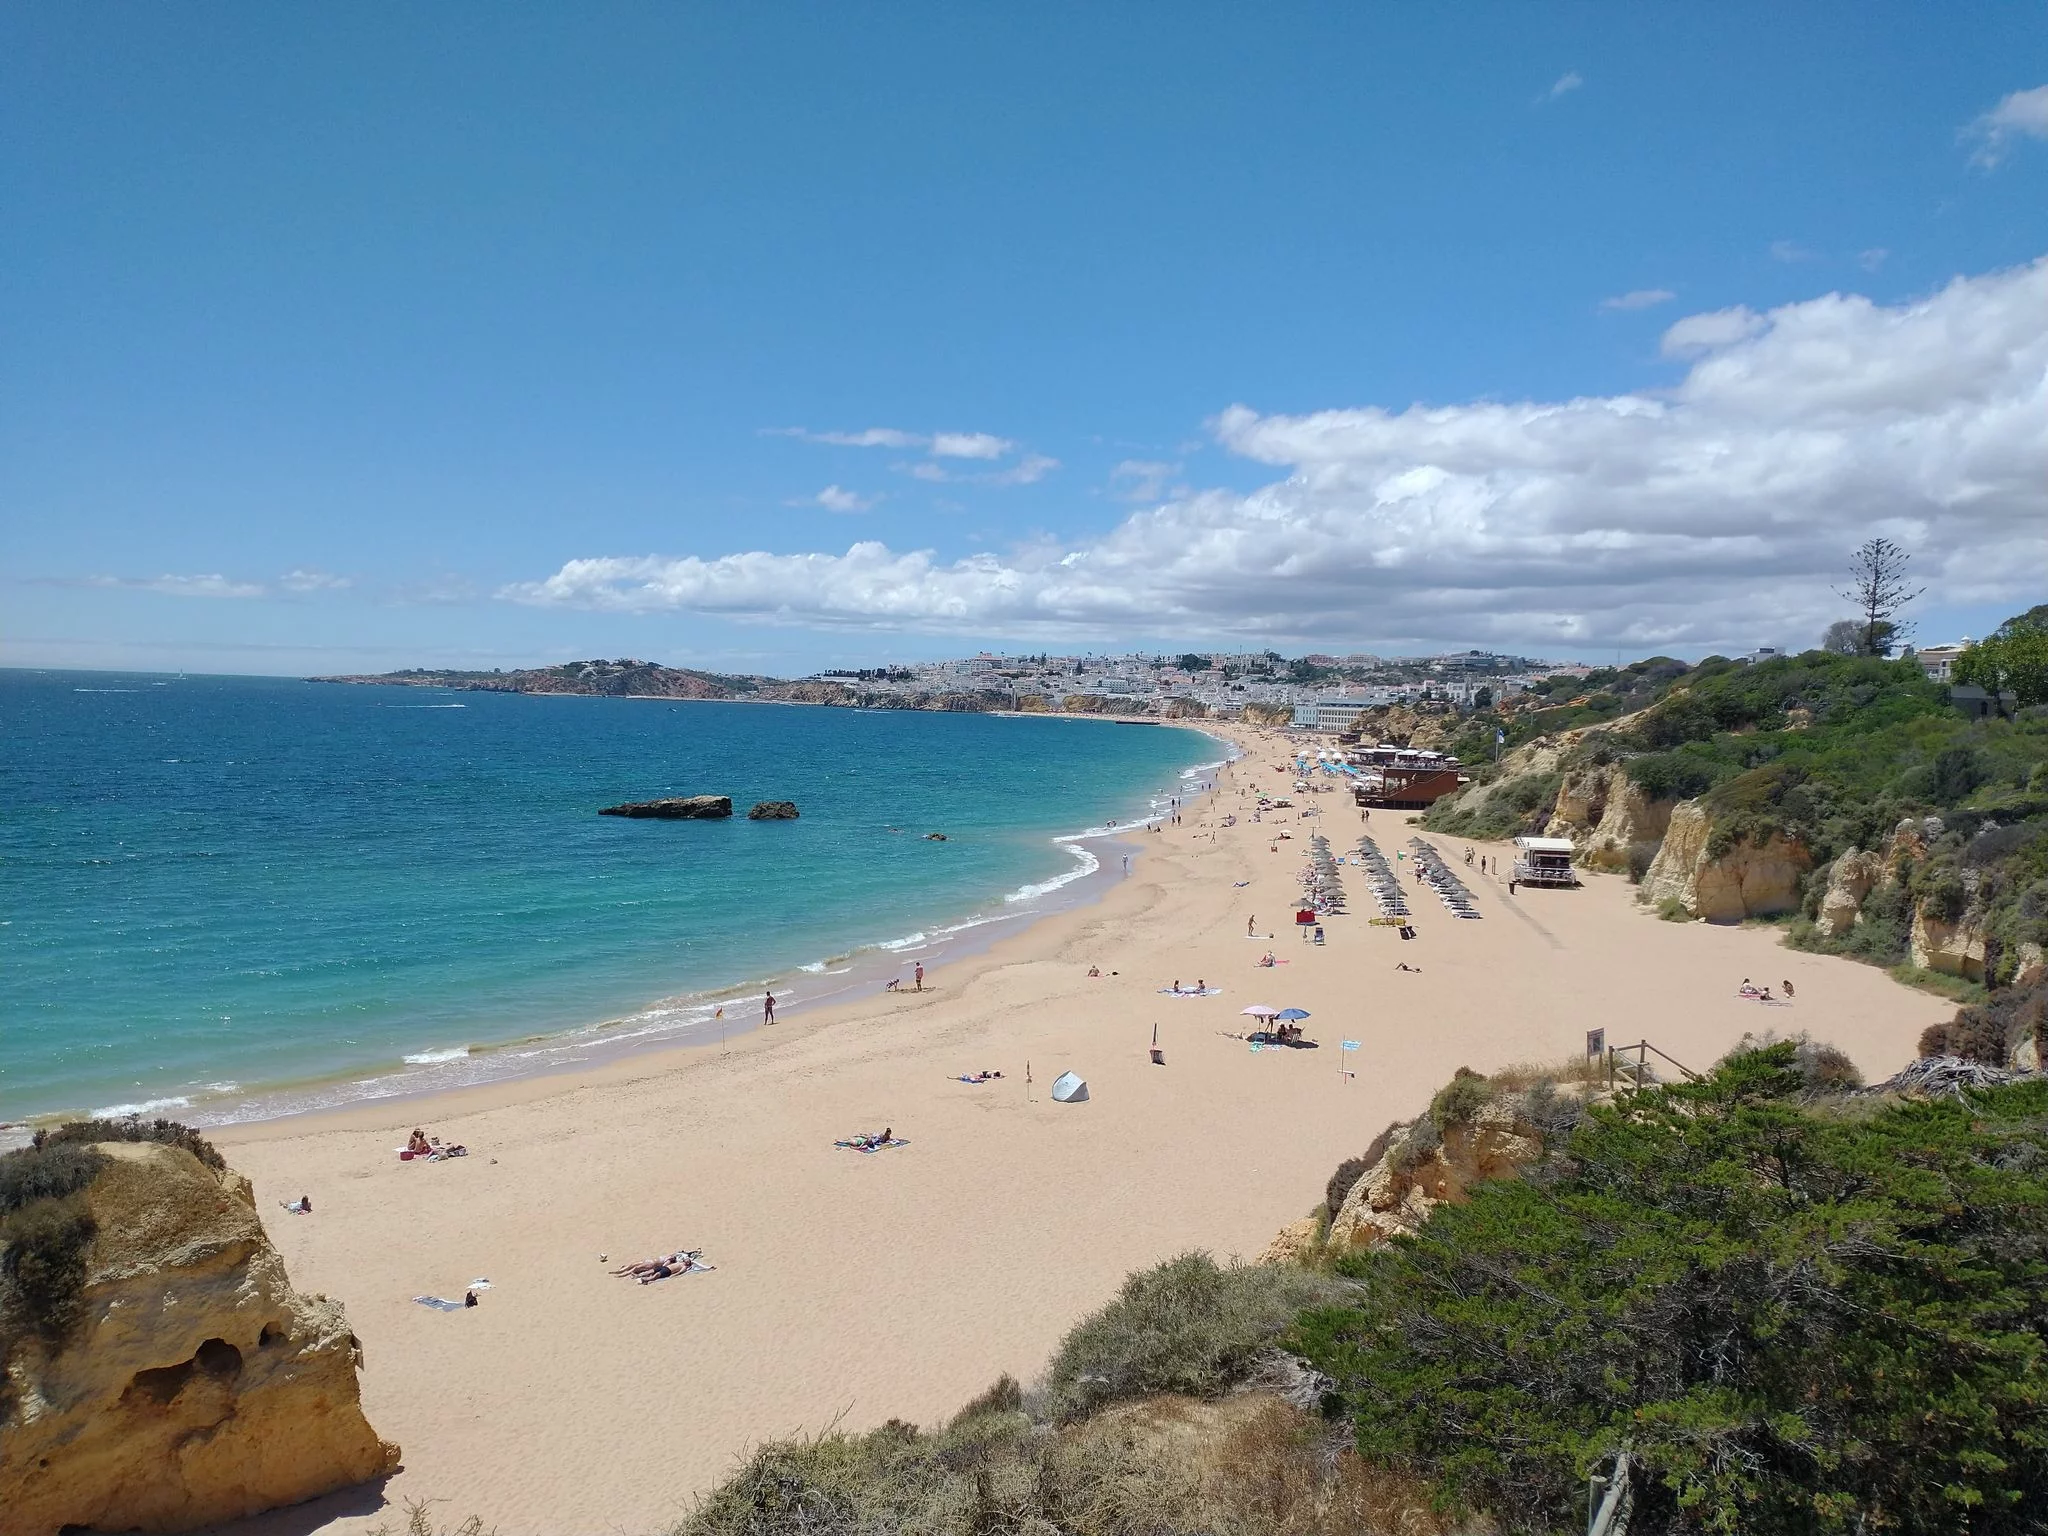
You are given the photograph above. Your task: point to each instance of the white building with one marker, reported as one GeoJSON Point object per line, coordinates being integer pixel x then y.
{"type": "Point", "coordinates": [1938, 661]}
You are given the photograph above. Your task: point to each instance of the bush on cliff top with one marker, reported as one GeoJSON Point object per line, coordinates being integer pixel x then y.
{"type": "Point", "coordinates": [1799, 1320]}
{"type": "Point", "coordinates": [168, 1132]}
{"type": "Point", "coordinates": [1189, 1325]}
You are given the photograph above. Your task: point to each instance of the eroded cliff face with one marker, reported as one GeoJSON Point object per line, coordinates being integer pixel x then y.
{"type": "Point", "coordinates": [1420, 1168]}
{"type": "Point", "coordinates": [1606, 814]}
{"type": "Point", "coordinates": [1749, 880]}
{"type": "Point", "coordinates": [1395, 1196]}
{"type": "Point", "coordinates": [199, 1386]}
{"type": "Point", "coordinates": [1853, 876]}
{"type": "Point", "coordinates": [1955, 948]}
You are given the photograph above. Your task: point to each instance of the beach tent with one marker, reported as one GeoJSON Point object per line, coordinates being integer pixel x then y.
{"type": "Point", "coordinates": [1068, 1088]}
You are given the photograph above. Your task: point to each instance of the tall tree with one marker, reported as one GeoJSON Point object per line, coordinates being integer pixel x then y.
{"type": "Point", "coordinates": [1877, 586]}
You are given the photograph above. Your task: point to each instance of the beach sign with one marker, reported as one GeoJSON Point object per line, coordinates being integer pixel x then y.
{"type": "Point", "coordinates": [1596, 1042]}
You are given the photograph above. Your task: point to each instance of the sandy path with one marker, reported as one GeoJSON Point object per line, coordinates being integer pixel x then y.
{"type": "Point", "coordinates": [859, 1288]}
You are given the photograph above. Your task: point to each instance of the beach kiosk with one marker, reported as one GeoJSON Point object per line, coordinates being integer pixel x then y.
{"type": "Point", "coordinates": [1544, 861]}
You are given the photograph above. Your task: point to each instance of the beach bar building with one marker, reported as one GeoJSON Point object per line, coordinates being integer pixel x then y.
{"type": "Point", "coordinates": [1544, 861]}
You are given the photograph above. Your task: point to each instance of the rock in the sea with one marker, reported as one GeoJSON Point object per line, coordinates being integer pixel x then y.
{"type": "Point", "coordinates": [773, 810]}
{"type": "Point", "coordinates": [935, 837]}
{"type": "Point", "coordinates": [195, 1386]}
{"type": "Point", "coordinates": [683, 808]}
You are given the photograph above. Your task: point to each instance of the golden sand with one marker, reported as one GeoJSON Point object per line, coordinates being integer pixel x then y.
{"type": "Point", "coordinates": [850, 1289]}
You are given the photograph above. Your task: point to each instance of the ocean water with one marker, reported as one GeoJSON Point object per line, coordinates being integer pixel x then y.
{"type": "Point", "coordinates": [221, 897]}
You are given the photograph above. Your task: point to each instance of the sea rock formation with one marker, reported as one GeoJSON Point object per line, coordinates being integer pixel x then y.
{"type": "Point", "coordinates": [681, 808]}
{"type": "Point", "coordinates": [198, 1386]}
{"type": "Point", "coordinates": [1852, 877]}
{"type": "Point", "coordinates": [773, 810]}
{"type": "Point", "coordinates": [1750, 879]}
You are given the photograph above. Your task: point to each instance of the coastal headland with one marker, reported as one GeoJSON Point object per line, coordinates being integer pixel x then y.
{"type": "Point", "coordinates": [850, 1288]}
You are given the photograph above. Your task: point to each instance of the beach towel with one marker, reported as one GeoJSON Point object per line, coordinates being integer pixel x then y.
{"type": "Point", "coordinates": [440, 1303]}
{"type": "Point", "coordinates": [854, 1145]}
{"type": "Point", "coordinates": [1191, 992]}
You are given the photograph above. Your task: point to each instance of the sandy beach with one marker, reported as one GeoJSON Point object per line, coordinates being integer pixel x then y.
{"type": "Point", "coordinates": [853, 1288]}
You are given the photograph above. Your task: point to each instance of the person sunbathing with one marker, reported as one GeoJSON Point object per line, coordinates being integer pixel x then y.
{"type": "Point", "coordinates": [875, 1143]}
{"type": "Point", "coordinates": [648, 1266]}
{"type": "Point", "coordinates": [417, 1143]}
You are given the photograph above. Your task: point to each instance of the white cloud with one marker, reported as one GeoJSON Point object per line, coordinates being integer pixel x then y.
{"type": "Point", "coordinates": [1873, 258]}
{"type": "Point", "coordinates": [2022, 115]}
{"type": "Point", "coordinates": [214, 585]}
{"type": "Point", "coordinates": [1639, 298]}
{"type": "Point", "coordinates": [313, 581]}
{"type": "Point", "coordinates": [1707, 332]}
{"type": "Point", "coordinates": [969, 445]}
{"type": "Point", "coordinates": [836, 498]}
{"type": "Point", "coordinates": [1791, 251]}
{"type": "Point", "coordinates": [1565, 83]}
{"type": "Point", "coordinates": [871, 437]}
{"type": "Point", "coordinates": [1143, 479]}
{"type": "Point", "coordinates": [1716, 514]}
{"type": "Point", "coordinates": [1029, 470]}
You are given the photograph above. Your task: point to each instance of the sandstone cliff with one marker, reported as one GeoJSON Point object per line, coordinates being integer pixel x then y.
{"type": "Point", "coordinates": [1750, 879]}
{"type": "Point", "coordinates": [1956, 948]}
{"type": "Point", "coordinates": [196, 1385]}
{"type": "Point", "coordinates": [1475, 1130]}
{"type": "Point", "coordinates": [1851, 878]}
{"type": "Point", "coordinates": [1607, 815]}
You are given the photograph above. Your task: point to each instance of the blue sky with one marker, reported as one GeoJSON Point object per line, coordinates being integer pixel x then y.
{"type": "Point", "coordinates": [765, 338]}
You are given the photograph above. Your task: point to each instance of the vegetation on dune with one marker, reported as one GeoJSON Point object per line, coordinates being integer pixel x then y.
{"type": "Point", "coordinates": [1832, 749]}
{"type": "Point", "coordinates": [1798, 1315]}
{"type": "Point", "coordinates": [1186, 1326]}
{"type": "Point", "coordinates": [1134, 1431]}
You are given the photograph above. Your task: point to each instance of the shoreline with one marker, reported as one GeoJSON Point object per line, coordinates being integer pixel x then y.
{"type": "Point", "coordinates": [849, 1290]}
{"type": "Point", "coordinates": [686, 1021]}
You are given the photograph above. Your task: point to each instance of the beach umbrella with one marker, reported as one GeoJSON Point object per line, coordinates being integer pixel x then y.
{"type": "Point", "coordinates": [1289, 1015]}
{"type": "Point", "coordinates": [1261, 1011]}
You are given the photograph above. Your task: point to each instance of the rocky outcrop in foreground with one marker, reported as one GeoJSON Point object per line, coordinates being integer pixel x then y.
{"type": "Point", "coordinates": [1476, 1129]}
{"type": "Point", "coordinates": [682, 808]}
{"type": "Point", "coordinates": [195, 1385]}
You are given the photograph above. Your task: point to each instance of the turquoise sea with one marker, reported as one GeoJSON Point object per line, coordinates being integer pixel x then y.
{"type": "Point", "coordinates": [223, 897]}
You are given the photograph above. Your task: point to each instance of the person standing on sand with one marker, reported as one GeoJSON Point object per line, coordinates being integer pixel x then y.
{"type": "Point", "coordinates": [768, 1008]}
{"type": "Point", "coordinates": [920, 975]}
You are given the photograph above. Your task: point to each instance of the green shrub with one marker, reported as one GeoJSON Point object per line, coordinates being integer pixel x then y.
{"type": "Point", "coordinates": [1460, 1100]}
{"type": "Point", "coordinates": [33, 1173]}
{"type": "Point", "coordinates": [169, 1132]}
{"type": "Point", "coordinates": [1188, 1326]}
{"type": "Point", "coordinates": [43, 1265]}
{"type": "Point", "coordinates": [1673, 910]}
{"type": "Point", "coordinates": [1800, 1321]}
{"type": "Point", "coordinates": [1417, 1146]}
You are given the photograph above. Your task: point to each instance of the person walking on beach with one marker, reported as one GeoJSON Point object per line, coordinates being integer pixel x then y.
{"type": "Point", "coordinates": [768, 1008]}
{"type": "Point", "coordinates": [920, 975]}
